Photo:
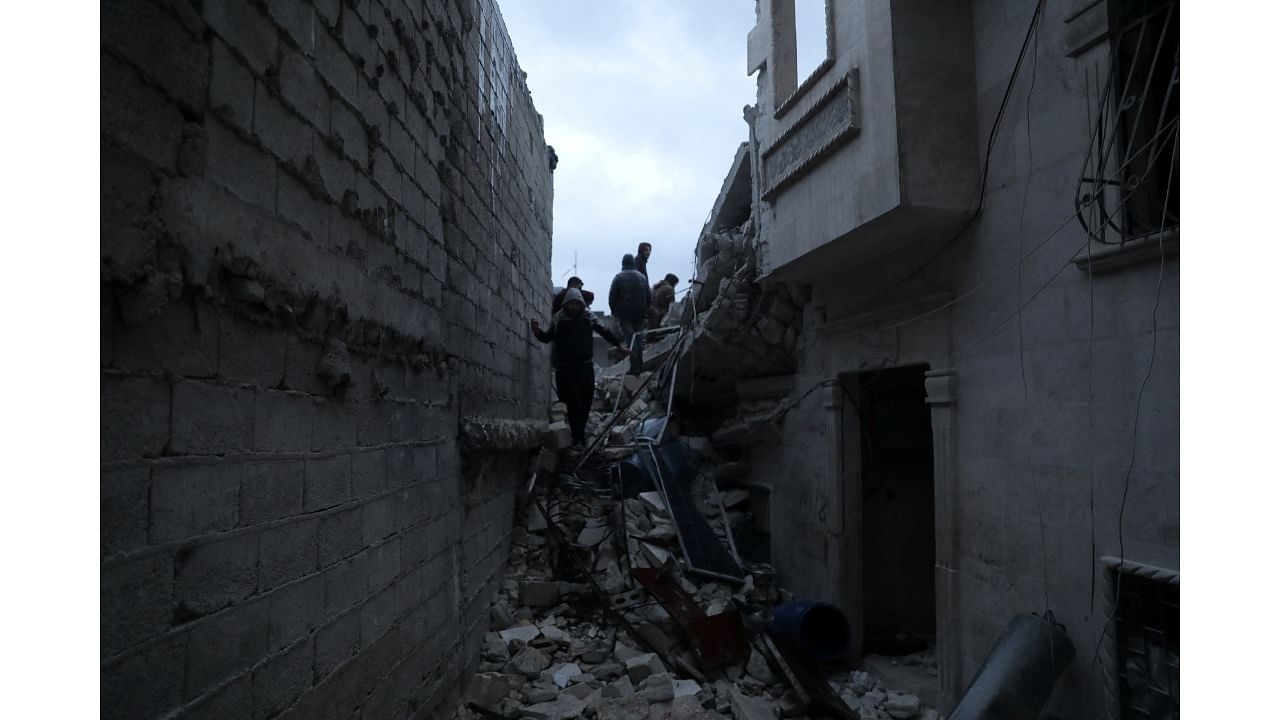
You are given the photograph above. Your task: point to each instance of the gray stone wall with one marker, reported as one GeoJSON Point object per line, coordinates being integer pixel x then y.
{"type": "Point", "coordinates": [324, 226]}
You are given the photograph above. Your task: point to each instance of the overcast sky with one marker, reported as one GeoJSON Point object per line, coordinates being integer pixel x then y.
{"type": "Point", "coordinates": [642, 100]}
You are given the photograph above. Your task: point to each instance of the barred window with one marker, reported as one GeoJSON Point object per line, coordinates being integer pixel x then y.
{"type": "Point", "coordinates": [1130, 187]}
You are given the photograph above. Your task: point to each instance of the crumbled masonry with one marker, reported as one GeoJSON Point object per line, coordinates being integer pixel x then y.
{"type": "Point", "coordinates": [574, 634]}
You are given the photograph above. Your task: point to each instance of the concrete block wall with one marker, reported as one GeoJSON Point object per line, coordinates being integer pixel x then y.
{"type": "Point", "coordinates": [324, 226]}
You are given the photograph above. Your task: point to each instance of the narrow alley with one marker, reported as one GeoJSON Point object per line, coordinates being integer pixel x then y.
{"type": "Point", "coordinates": [904, 445]}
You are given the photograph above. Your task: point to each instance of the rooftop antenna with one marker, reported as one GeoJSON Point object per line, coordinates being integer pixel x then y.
{"type": "Point", "coordinates": [573, 270]}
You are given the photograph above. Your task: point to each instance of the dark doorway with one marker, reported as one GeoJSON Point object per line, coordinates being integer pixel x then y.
{"type": "Point", "coordinates": [896, 441]}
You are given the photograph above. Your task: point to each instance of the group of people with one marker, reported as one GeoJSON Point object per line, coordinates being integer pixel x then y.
{"type": "Point", "coordinates": [636, 306]}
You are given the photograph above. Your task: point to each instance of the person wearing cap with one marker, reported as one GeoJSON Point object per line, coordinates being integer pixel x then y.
{"type": "Point", "coordinates": [574, 282]}
{"type": "Point", "coordinates": [570, 331]}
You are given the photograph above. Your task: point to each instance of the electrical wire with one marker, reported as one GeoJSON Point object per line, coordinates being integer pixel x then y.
{"type": "Point", "coordinates": [1155, 308]}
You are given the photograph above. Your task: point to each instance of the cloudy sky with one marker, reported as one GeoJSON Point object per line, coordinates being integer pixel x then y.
{"type": "Point", "coordinates": [642, 100]}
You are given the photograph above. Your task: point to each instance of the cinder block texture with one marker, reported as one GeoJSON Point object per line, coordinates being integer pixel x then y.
{"type": "Point", "coordinates": [325, 226]}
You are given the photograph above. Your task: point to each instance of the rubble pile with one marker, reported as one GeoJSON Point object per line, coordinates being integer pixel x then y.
{"type": "Point", "coordinates": [603, 617]}
{"type": "Point", "coordinates": [743, 329]}
{"type": "Point", "coordinates": [626, 596]}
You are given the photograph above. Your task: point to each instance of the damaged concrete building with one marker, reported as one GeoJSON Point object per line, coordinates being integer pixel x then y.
{"type": "Point", "coordinates": [940, 322]}
{"type": "Point", "coordinates": [324, 226]}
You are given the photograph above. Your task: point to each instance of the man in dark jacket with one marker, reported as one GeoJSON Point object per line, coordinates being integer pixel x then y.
{"type": "Point", "coordinates": [629, 300]}
{"type": "Point", "coordinates": [571, 330]}
{"type": "Point", "coordinates": [574, 282]}
{"type": "Point", "coordinates": [642, 259]}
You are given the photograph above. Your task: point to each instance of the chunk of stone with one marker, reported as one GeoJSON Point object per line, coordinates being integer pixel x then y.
{"type": "Point", "coordinates": [682, 687]}
{"type": "Point", "coordinates": [487, 689]}
{"type": "Point", "coordinates": [633, 707]}
{"type": "Point", "coordinates": [653, 502]}
{"type": "Point", "coordinates": [903, 707]}
{"type": "Point", "coordinates": [530, 662]}
{"type": "Point", "coordinates": [860, 682]}
{"type": "Point", "coordinates": [592, 536]}
{"type": "Point", "coordinates": [564, 707]}
{"type": "Point", "coordinates": [657, 688]}
{"type": "Point", "coordinates": [558, 436]}
{"type": "Point", "coordinates": [661, 533]}
{"type": "Point", "coordinates": [749, 708]}
{"type": "Point", "coordinates": [624, 652]}
{"type": "Point", "coordinates": [596, 655]}
{"type": "Point", "coordinates": [564, 673]}
{"type": "Point", "coordinates": [524, 633]}
{"type": "Point", "coordinates": [539, 593]}
{"type": "Point", "coordinates": [500, 615]}
{"type": "Point", "coordinates": [608, 670]}
{"type": "Point", "coordinates": [619, 688]}
{"type": "Point", "coordinates": [790, 705]}
{"type": "Point", "coordinates": [642, 666]}
{"type": "Point", "coordinates": [758, 668]}
{"type": "Point", "coordinates": [581, 690]}
{"type": "Point", "coordinates": [539, 692]}
{"type": "Point", "coordinates": [875, 698]}
{"type": "Point", "coordinates": [556, 635]}
{"type": "Point", "coordinates": [495, 650]}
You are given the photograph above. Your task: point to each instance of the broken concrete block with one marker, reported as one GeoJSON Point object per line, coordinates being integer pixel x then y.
{"type": "Point", "coordinates": [860, 682]}
{"type": "Point", "coordinates": [682, 687]}
{"type": "Point", "coordinates": [592, 536]}
{"type": "Point", "coordinates": [656, 688]}
{"type": "Point", "coordinates": [749, 708]}
{"type": "Point", "coordinates": [563, 673]}
{"type": "Point", "coordinates": [619, 688]}
{"type": "Point", "coordinates": [633, 707]}
{"type": "Point", "coordinates": [656, 556]}
{"type": "Point", "coordinates": [524, 633]}
{"type": "Point", "coordinates": [539, 593]}
{"type": "Point", "coordinates": [539, 692]}
{"type": "Point", "coordinates": [558, 436]}
{"type": "Point", "coordinates": [559, 411]}
{"type": "Point", "coordinates": [642, 666]}
{"type": "Point", "coordinates": [903, 707]}
{"type": "Point", "coordinates": [790, 705]}
{"type": "Point", "coordinates": [653, 502]}
{"type": "Point", "coordinates": [582, 691]}
{"type": "Point", "coordinates": [758, 668]}
{"type": "Point", "coordinates": [487, 689]}
{"type": "Point", "coordinates": [564, 707]}
{"type": "Point", "coordinates": [662, 533]}
{"type": "Point", "coordinates": [556, 635]}
{"type": "Point", "coordinates": [529, 662]}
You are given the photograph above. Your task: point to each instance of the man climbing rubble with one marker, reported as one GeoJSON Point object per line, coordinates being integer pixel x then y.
{"type": "Point", "coordinates": [629, 300]}
{"type": "Point", "coordinates": [664, 294]}
{"type": "Point", "coordinates": [570, 332]}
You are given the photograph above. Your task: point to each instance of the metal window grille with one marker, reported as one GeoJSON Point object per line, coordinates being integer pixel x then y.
{"type": "Point", "coordinates": [1131, 187]}
{"type": "Point", "coordinates": [1146, 636]}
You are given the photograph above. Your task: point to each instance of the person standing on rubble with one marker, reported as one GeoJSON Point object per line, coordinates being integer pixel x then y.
{"type": "Point", "coordinates": [571, 330]}
{"type": "Point", "coordinates": [574, 282]}
{"type": "Point", "coordinates": [664, 294]}
{"type": "Point", "coordinates": [629, 300]}
{"type": "Point", "coordinates": [642, 259]}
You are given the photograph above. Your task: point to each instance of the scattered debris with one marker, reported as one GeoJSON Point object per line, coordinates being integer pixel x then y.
{"type": "Point", "coordinates": [625, 596]}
